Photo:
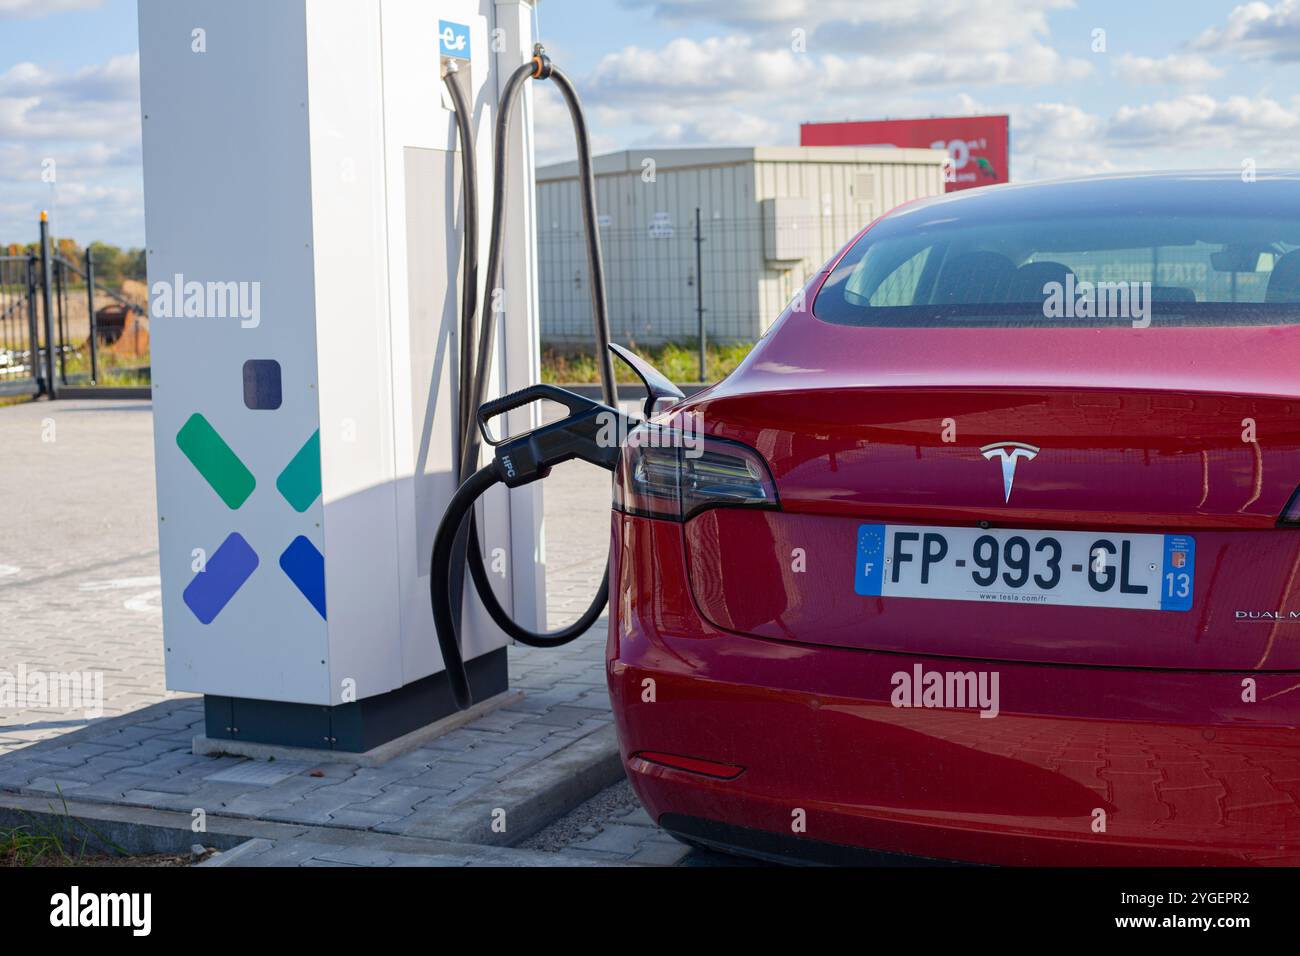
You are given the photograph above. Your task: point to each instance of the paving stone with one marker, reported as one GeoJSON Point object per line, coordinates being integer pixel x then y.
{"type": "Point", "coordinates": [373, 780]}
{"type": "Point", "coordinates": [313, 862]}
{"type": "Point", "coordinates": [176, 762]}
{"type": "Point", "coordinates": [355, 819]}
{"type": "Point", "coordinates": [445, 773]}
{"type": "Point", "coordinates": [161, 800]}
{"type": "Point", "coordinates": [412, 859]}
{"type": "Point", "coordinates": [75, 754]}
{"type": "Point", "coordinates": [660, 854]}
{"type": "Point", "coordinates": [396, 799]}
{"type": "Point", "coordinates": [551, 745]}
{"type": "Point", "coordinates": [179, 719]}
{"type": "Point", "coordinates": [127, 736]}
{"type": "Point", "coordinates": [314, 808]}
{"type": "Point", "coordinates": [498, 721]}
{"type": "Point", "coordinates": [594, 856]}
{"type": "Point", "coordinates": [355, 856]}
{"type": "Point", "coordinates": [564, 717]}
{"type": "Point", "coordinates": [490, 753]}
{"type": "Point", "coordinates": [114, 788]}
{"type": "Point", "coordinates": [637, 817]}
{"type": "Point", "coordinates": [94, 770]}
{"type": "Point", "coordinates": [261, 801]}
{"type": "Point", "coordinates": [524, 734]}
{"type": "Point", "coordinates": [258, 773]}
{"type": "Point", "coordinates": [501, 771]}
{"type": "Point", "coordinates": [48, 785]}
{"type": "Point", "coordinates": [294, 853]}
{"type": "Point", "coordinates": [334, 771]}
{"type": "Point", "coordinates": [615, 838]}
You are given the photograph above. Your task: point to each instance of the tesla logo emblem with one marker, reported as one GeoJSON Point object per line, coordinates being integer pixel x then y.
{"type": "Point", "coordinates": [1010, 452]}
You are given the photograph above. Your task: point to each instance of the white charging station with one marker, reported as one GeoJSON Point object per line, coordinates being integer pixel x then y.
{"type": "Point", "coordinates": [303, 217]}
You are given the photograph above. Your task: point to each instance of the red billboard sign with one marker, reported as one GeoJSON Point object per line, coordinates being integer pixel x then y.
{"type": "Point", "coordinates": [980, 146]}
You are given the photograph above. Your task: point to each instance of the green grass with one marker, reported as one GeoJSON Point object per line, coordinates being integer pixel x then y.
{"type": "Point", "coordinates": [20, 847]}
{"type": "Point", "coordinates": [57, 843]}
{"type": "Point", "coordinates": [113, 369]}
{"type": "Point", "coordinates": [679, 361]}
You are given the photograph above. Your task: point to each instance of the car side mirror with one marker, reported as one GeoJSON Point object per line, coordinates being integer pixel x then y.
{"type": "Point", "coordinates": [656, 384]}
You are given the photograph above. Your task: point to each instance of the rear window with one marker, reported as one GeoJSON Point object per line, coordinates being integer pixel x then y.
{"type": "Point", "coordinates": [928, 269]}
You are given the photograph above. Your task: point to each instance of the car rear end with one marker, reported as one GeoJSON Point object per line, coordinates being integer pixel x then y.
{"type": "Point", "coordinates": [948, 570]}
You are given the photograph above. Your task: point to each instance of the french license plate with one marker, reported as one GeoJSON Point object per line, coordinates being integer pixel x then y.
{"type": "Point", "coordinates": [1154, 572]}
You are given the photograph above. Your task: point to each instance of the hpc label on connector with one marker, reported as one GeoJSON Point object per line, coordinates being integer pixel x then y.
{"type": "Point", "coordinates": [453, 39]}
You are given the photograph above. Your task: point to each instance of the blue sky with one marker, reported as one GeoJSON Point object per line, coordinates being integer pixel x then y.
{"type": "Point", "coordinates": [1180, 84]}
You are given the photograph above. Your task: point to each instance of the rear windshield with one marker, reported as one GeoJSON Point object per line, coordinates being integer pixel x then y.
{"type": "Point", "coordinates": [1092, 271]}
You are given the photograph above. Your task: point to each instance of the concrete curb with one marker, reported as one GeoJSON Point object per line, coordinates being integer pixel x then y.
{"type": "Point", "coordinates": [139, 830]}
{"type": "Point", "coordinates": [239, 855]}
{"type": "Point", "coordinates": [535, 797]}
{"type": "Point", "coordinates": [108, 827]}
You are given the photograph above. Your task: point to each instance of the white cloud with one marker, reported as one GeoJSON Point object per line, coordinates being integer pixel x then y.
{"type": "Point", "coordinates": [733, 90]}
{"type": "Point", "coordinates": [740, 13]}
{"type": "Point", "coordinates": [117, 79]}
{"type": "Point", "coordinates": [881, 25]}
{"type": "Point", "coordinates": [30, 9]}
{"type": "Point", "coordinates": [734, 69]}
{"type": "Point", "coordinates": [698, 69]}
{"type": "Point", "coordinates": [1032, 66]}
{"type": "Point", "coordinates": [83, 127]}
{"type": "Point", "coordinates": [1055, 140]}
{"type": "Point", "coordinates": [1200, 121]}
{"type": "Point", "coordinates": [1258, 30]}
{"type": "Point", "coordinates": [1176, 69]}
{"type": "Point", "coordinates": [951, 26]}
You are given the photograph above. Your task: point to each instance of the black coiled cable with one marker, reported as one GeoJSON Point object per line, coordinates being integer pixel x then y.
{"type": "Point", "coordinates": [456, 543]}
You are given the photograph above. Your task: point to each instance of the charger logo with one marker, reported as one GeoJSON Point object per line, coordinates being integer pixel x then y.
{"type": "Point", "coordinates": [453, 39]}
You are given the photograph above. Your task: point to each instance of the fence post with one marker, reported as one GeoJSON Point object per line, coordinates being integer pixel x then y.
{"type": "Point", "coordinates": [51, 388]}
{"type": "Point", "coordinates": [33, 330]}
{"type": "Point", "coordinates": [90, 299]}
{"type": "Point", "coordinates": [61, 298]}
{"type": "Point", "coordinates": [699, 296]}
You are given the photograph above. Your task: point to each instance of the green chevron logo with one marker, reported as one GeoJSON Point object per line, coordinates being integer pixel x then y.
{"type": "Point", "coordinates": [300, 480]}
{"type": "Point", "coordinates": [234, 561]}
{"type": "Point", "coordinates": [215, 461]}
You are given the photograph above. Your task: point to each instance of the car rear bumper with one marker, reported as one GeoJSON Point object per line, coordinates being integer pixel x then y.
{"type": "Point", "coordinates": [1080, 766]}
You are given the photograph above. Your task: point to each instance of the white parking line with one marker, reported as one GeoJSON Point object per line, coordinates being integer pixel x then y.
{"type": "Point", "coordinates": [144, 603]}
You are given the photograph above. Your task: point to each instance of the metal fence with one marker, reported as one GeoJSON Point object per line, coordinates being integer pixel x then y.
{"type": "Point", "coordinates": [727, 279]}
{"type": "Point", "coordinates": [17, 322]}
{"type": "Point", "coordinates": [62, 331]}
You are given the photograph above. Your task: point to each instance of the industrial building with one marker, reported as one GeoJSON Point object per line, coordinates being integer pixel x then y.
{"type": "Point", "coordinates": [767, 217]}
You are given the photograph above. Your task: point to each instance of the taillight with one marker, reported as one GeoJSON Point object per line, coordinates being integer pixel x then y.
{"type": "Point", "coordinates": [661, 475]}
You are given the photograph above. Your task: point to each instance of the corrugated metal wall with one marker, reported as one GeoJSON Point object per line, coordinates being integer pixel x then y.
{"type": "Point", "coordinates": [648, 237]}
{"type": "Point", "coordinates": [845, 197]}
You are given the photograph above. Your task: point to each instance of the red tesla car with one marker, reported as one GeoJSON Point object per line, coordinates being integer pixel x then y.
{"type": "Point", "coordinates": [990, 550]}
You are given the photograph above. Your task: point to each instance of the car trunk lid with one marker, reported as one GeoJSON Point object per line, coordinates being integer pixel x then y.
{"type": "Point", "coordinates": [1215, 464]}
